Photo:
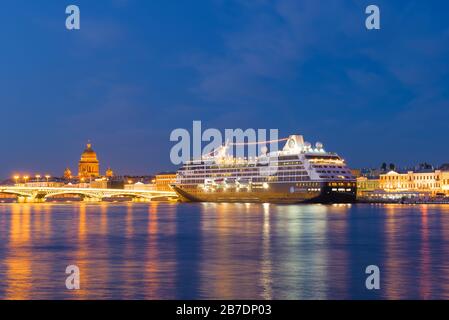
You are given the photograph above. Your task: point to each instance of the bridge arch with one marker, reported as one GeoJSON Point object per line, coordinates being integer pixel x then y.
{"type": "Point", "coordinates": [16, 193]}
{"type": "Point", "coordinates": [158, 196]}
{"type": "Point", "coordinates": [74, 192]}
{"type": "Point", "coordinates": [129, 195]}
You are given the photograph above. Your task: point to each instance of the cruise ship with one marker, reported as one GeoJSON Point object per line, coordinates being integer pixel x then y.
{"type": "Point", "coordinates": [298, 173]}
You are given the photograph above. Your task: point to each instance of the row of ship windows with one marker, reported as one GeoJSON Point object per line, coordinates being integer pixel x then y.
{"type": "Point", "coordinates": [297, 178]}
{"type": "Point", "coordinates": [292, 173]}
{"type": "Point", "coordinates": [333, 171]}
{"type": "Point", "coordinates": [293, 163]}
{"type": "Point", "coordinates": [342, 184]}
{"type": "Point", "coordinates": [328, 166]}
{"type": "Point", "coordinates": [240, 174]}
{"type": "Point", "coordinates": [289, 173]}
{"type": "Point", "coordinates": [246, 169]}
{"type": "Point", "coordinates": [253, 169]}
{"type": "Point", "coordinates": [333, 177]}
{"type": "Point", "coordinates": [284, 159]}
{"type": "Point", "coordinates": [260, 179]}
{"type": "Point", "coordinates": [208, 167]}
{"type": "Point", "coordinates": [195, 173]}
{"type": "Point", "coordinates": [300, 184]}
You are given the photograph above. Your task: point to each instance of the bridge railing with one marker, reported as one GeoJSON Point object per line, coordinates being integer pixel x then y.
{"type": "Point", "coordinates": [38, 194]}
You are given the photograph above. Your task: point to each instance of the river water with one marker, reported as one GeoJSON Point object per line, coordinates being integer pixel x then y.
{"type": "Point", "coordinates": [223, 251]}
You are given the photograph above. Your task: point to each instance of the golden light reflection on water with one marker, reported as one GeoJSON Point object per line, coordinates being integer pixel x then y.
{"type": "Point", "coordinates": [444, 233]}
{"type": "Point", "coordinates": [129, 220]}
{"type": "Point", "coordinates": [152, 265]}
{"type": "Point", "coordinates": [231, 232]}
{"type": "Point", "coordinates": [104, 218]}
{"type": "Point", "coordinates": [240, 250]}
{"type": "Point", "coordinates": [81, 255]}
{"type": "Point", "coordinates": [82, 226]}
{"type": "Point", "coordinates": [217, 272]}
{"type": "Point", "coordinates": [102, 265]}
{"type": "Point", "coordinates": [18, 263]}
{"type": "Point", "coordinates": [394, 266]}
{"type": "Point", "coordinates": [46, 216]}
{"type": "Point", "coordinates": [424, 279]}
{"type": "Point", "coordinates": [160, 264]}
{"type": "Point", "coordinates": [128, 263]}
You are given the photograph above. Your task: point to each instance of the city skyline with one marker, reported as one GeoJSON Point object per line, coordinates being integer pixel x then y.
{"type": "Point", "coordinates": [72, 167]}
{"type": "Point", "coordinates": [87, 167]}
{"type": "Point", "coordinates": [135, 71]}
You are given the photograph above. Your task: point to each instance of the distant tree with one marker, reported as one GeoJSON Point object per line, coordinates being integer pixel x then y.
{"type": "Point", "coordinates": [384, 166]}
{"type": "Point", "coordinates": [392, 166]}
{"type": "Point", "coordinates": [427, 166]}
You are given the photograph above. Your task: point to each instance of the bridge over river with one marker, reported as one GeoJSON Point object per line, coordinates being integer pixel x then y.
{"type": "Point", "coordinates": [41, 194]}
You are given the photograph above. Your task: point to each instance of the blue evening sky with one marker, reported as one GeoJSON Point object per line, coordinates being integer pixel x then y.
{"type": "Point", "coordinates": [139, 69]}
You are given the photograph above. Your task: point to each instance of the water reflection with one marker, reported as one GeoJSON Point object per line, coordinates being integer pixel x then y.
{"type": "Point", "coordinates": [266, 279]}
{"type": "Point", "coordinates": [81, 254]}
{"type": "Point", "coordinates": [18, 263]}
{"type": "Point", "coordinates": [227, 251]}
{"type": "Point", "coordinates": [160, 261]}
{"type": "Point", "coordinates": [395, 264]}
{"type": "Point", "coordinates": [152, 259]}
{"type": "Point", "coordinates": [424, 283]}
{"type": "Point", "coordinates": [338, 270]}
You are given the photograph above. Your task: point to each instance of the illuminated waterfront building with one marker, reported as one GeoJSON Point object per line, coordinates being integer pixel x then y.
{"type": "Point", "coordinates": [44, 184]}
{"type": "Point", "coordinates": [366, 186]}
{"type": "Point", "coordinates": [100, 183]}
{"type": "Point", "coordinates": [140, 186]}
{"type": "Point", "coordinates": [164, 180]}
{"type": "Point", "coordinates": [89, 166]}
{"type": "Point", "coordinates": [436, 182]}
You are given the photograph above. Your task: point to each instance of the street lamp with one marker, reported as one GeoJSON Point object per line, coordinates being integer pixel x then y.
{"type": "Point", "coordinates": [37, 176]}
{"type": "Point", "coordinates": [47, 176]}
{"type": "Point", "coordinates": [16, 178]}
{"type": "Point", "coordinates": [25, 178]}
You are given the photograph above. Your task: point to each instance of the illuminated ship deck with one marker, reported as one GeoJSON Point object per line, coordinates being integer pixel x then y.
{"type": "Point", "coordinates": [297, 173]}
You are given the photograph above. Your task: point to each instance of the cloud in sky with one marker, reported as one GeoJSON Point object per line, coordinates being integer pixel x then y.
{"type": "Point", "coordinates": [139, 69]}
{"type": "Point", "coordinates": [335, 66]}
{"type": "Point", "coordinates": [275, 39]}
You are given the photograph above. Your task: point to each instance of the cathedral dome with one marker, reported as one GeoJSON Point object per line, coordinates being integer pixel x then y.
{"type": "Point", "coordinates": [88, 166]}
{"type": "Point", "coordinates": [89, 155]}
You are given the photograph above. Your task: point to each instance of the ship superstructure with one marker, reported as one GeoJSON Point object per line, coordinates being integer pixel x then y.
{"type": "Point", "coordinates": [298, 173]}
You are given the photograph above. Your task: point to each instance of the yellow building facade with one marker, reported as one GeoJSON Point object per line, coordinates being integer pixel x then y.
{"type": "Point", "coordinates": [365, 186]}
{"type": "Point", "coordinates": [436, 182]}
{"type": "Point", "coordinates": [163, 181]}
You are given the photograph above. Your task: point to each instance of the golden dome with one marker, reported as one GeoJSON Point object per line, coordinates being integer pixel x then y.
{"type": "Point", "coordinates": [89, 165]}
{"type": "Point", "coordinates": [67, 173]}
{"type": "Point", "coordinates": [89, 155]}
{"type": "Point", "coordinates": [109, 173]}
